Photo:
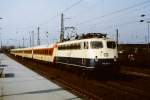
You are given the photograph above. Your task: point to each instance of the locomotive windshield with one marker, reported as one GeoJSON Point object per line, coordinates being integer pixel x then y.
{"type": "Point", "coordinates": [111, 44]}
{"type": "Point", "coordinates": [96, 44]}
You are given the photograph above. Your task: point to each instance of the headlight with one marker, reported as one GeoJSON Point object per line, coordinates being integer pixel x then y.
{"type": "Point", "coordinates": [96, 58]}
{"type": "Point", "coordinates": [115, 58]}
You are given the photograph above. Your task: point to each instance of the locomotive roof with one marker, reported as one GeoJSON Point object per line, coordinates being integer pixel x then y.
{"type": "Point", "coordinates": [87, 39]}
{"type": "Point", "coordinates": [44, 46]}
{"type": "Point", "coordinates": [36, 47]}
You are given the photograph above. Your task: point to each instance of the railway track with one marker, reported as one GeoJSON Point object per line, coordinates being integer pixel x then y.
{"type": "Point", "coordinates": [121, 88]}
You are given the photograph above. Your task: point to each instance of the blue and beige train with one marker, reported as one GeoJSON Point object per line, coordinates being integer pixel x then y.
{"type": "Point", "coordinates": [92, 52]}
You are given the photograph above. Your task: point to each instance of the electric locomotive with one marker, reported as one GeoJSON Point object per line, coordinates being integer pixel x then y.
{"type": "Point", "coordinates": [93, 51]}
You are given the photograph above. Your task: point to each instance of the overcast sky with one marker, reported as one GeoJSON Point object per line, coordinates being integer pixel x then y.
{"type": "Point", "coordinates": [21, 17]}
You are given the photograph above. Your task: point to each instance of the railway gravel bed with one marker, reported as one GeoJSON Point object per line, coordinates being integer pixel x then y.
{"type": "Point", "coordinates": [121, 87]}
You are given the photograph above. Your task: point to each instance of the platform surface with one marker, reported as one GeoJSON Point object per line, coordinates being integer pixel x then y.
{"type": "Point", "coordinates": [20, 83]}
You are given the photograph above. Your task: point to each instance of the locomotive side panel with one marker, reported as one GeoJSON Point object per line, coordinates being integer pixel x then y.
{"type": "Point", "coordinates": [101, 54]}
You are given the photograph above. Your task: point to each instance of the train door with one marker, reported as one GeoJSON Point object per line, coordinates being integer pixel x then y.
{"type": "Point", "coordinates": [85, 47]}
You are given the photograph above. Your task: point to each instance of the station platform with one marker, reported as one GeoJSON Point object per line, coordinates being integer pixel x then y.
{"type": "Point", "coordinates": [17, 82]}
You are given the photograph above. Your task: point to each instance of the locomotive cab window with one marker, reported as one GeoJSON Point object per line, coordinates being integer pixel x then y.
{"type": "Point", "coordinates": [111, 44]}
{"type": "Point", "coordinates": [96, 44]}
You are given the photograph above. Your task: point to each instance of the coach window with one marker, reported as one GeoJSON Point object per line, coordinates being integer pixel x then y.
{"type": "Point", "coordinates": [47, 51]}
{"type": "Point", "coordinates": [67, 46]}
{"type": "Point", "coordinates": [63, 47]}
{"type": "Point", "coordinates": [59, 47]}
{"type": "Point", "coordinates": [86, 45]}
{"type": "Point", "coordinates": [75, 46]}
{"type": "Point", "coordinates": [78, 46]}
{"type": "Point", "coordinates": [71, 46]}
{"type": "Point", "coordinates": [96, 44]}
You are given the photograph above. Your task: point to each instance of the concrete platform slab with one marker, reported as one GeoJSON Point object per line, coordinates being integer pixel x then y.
{"type": "Point", "coordinates": [24, 84]}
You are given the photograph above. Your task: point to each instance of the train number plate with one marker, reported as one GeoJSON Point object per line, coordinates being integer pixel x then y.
{"type": "Point", "coordinates": [105, 63]}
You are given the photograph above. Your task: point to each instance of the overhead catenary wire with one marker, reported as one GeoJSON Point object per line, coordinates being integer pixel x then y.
{"type": "Point", "coordinates": [78, 2]}
{"type": "Point", "coordinates": [86, 10]}
{"type": "Point", "coordinates": [115, 12]}
{"type": "Point", "coordinates": [71, 6]}
{"type": "Point", "coordinates": [119, 25]}
{"type": "Point", "coordinates": [34, 26]}
{"type": "Point", "coordinates": [66, 9]}
{"type": "Point", "coordinates": [55, 16]}
{"type": "Point", "coordinates": [103, 16]}
{"type": "Point", "coordinates": [100, 22]}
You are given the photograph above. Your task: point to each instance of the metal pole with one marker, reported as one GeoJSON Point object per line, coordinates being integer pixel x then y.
{"type": "Point", "coordinates": [1, 40]}
{"type": "Point", "coordinates": [47, 37]}
{"type": "Point", "coordinates": [117, 39]}
{"type": "Point", "coordinates": [38, 41]}
{"type": "Point", "coordinates": [62, 29]}
{"type": "Point", "coordinates": [0, 36]}
{"type": "Point", "coordinates": [19, 44]}
{"type": "Point", "coordinates": [148, 35]}
{"type": "Point", "coordinates": [23, 42]}
{"type": "Point", "coordinates": [32, 38]}
{"type": "Point", "coordinates": [1, 44]}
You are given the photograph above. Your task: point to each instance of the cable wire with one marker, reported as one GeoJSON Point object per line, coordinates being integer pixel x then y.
{"type": "Point", "coordinates": [115, 12]}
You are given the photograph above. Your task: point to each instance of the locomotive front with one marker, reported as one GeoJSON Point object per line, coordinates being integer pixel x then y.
{"type": "Point", "coordinates": [103, 54]}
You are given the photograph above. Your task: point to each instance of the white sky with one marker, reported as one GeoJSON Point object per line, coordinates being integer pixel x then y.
{"type": "Point", "coordinates": [20, 17]}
